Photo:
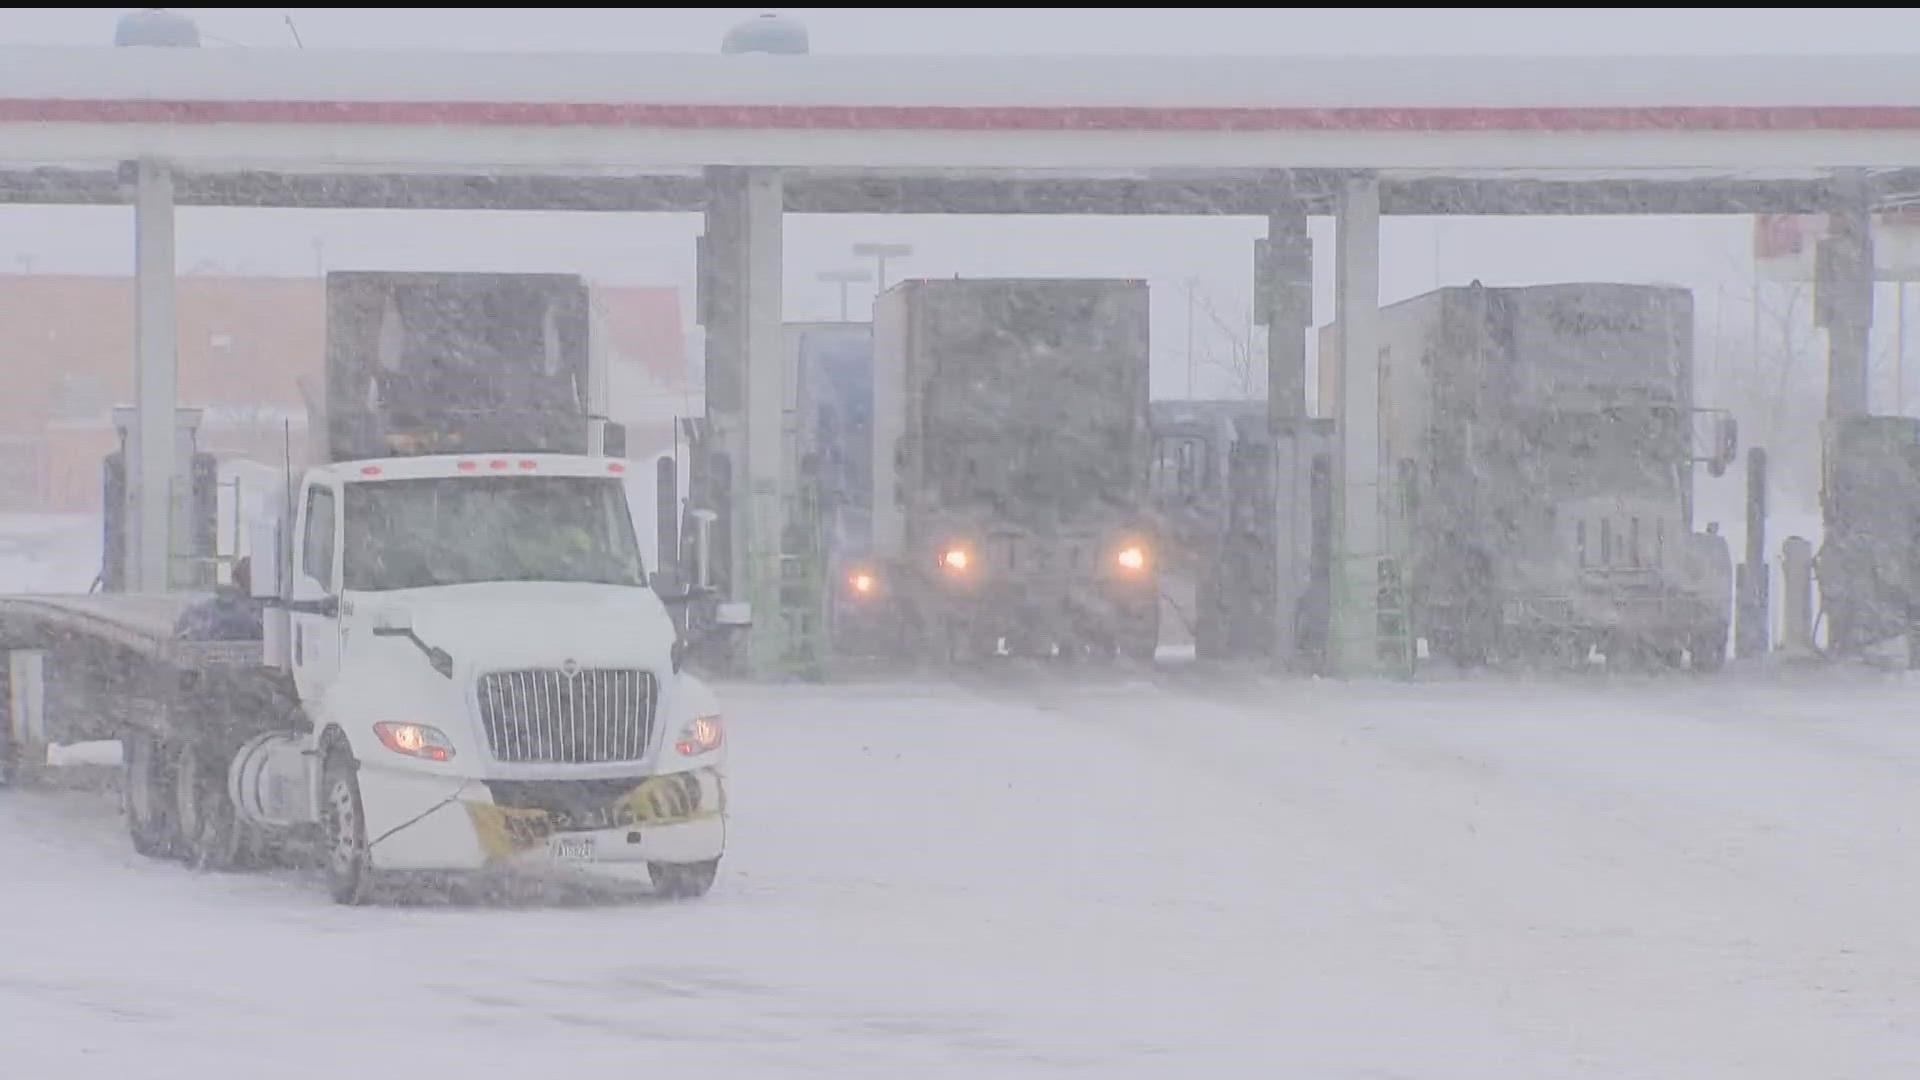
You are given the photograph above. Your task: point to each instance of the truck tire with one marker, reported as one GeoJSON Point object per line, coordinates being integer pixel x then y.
{"type": "Point", "coordinates": [9, 753]}
{"type": "Point", "coordinates": [1709, 650]}
{"type": "Point", "coordinates": [1081, 648]}
{"type": "Point", "coordinates": [683, 881]}
{"type": "Point", "coordinates": [14, 767]}
{"type": "Point", "coordinates": [343, 825]}
{"type": "Point", "coordinates": [208, 826]}
{"type": "Point", "coordinates": [1461, 647]}
{"type": "Point", "coordinates": [147, 796]}
{"type": "Point", "coordinates": [959, 645]}
{"type": "Point", "coordinates": [1140, 642]}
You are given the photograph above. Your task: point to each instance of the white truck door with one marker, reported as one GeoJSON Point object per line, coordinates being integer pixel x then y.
{"type": "Point", "coordinates": [316, 591]}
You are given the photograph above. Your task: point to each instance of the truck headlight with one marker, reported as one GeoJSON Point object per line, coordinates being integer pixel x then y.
{"type": "Point", "coordinates": [956, 559]}
{"type": "Point", "coordinates": [1131, 559]}
{"type": "Point", "coordinates": [702, 735]}
{"type": "Point", "coordinates": [862, 582]}
{"type": "Point", "coordinates": [415, 740]}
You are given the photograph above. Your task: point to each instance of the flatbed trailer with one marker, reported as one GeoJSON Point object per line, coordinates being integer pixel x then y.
{"type": "Point", "coordinates": [143, 623]}
{"type": "Point", "coordinates": [51, 641]}
{"type": "Point", "coordinates": [85, 668]}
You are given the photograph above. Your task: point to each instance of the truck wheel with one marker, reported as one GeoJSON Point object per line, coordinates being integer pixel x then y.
{"type": "Point", "coordinates": [1141, 643]}
{"type": "Point", "coordinates": [19, 762]}
{"type": "Point", "coordinates": [1709, 651]}
{"type": "Point", "coordinates": [1081, 648]}
{"type": "Point", "coordinates": [209, 828]}
{"type": "Point", "coordinates": [683, 880]}
{"type": "Point", "coordinates": [958, 645]}
{"type": "Point", "coordinates": [9, 754]}
{"type": "Point", "coordinates": [147, 796]}
{"type": "Point", "coordinates": [343, 823]}
{"type": "Point", "coordinates": [1462, 649]}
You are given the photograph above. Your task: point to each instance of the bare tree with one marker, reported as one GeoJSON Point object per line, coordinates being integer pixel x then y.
{"type": "Point", "coordinates": [1783, 387]}
{"type": "Point", "coordinates": [1228, 345]}
{"type": "Point", "coordinates": [1773, 378]}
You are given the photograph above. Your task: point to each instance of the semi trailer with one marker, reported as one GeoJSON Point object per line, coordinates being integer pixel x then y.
{"type": "Point", "coordinates": [1537, 450]}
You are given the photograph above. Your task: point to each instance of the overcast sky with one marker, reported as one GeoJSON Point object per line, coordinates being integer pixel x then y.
{"type": "Point", "coordinates": [1711, 255]}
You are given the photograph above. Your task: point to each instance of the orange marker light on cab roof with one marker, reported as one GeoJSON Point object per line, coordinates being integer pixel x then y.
{"type": "Point", "coordinates": [496, 464]}
{"type": "Point", "coordinates": [526, 464]}
{"type": "Point", "coordinates": [614, 466]}
{"type": "Point", "coordinates": [469, 466]}
{"type": "Point", "coordinates": [370, 470]}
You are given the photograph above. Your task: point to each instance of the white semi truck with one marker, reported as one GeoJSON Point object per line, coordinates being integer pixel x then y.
{"type": "Point", "coordinates": [1010, 445]}
{"type": "Point", "coordinates": [465, 659]}
{"type": "Point", "coordinates": [1540, 444]}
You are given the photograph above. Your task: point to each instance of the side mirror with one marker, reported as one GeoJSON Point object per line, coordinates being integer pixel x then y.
{"type": "Point", "coordinates": [667, 583]}
{"type": "Point", "coordinates": [327, 607]}
{"type": "Point", "coordinates": [263, 565]}
{"type": "Point", "coordinates": [702, 549]}
{"type": "Point", "coordinates": [606, 438]}
{"type": "Point", "coordinates": [1722, 438]}
{"type": "Point", "coordinates": [666, 522]}
{"type": "Point", "coordinates": [1726, 443]}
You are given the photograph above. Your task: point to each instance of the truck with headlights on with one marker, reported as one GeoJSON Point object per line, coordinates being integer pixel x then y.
{"type": "Point", "coordinates": [1010, 512]}
{"type": "Point", "coordinates": [461, 657]}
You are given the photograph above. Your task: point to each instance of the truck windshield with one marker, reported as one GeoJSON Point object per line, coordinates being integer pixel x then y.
{"type": "Point", "coordinates": [410, 534]}
{"type": "Point", "coordinates": [1610, 450]}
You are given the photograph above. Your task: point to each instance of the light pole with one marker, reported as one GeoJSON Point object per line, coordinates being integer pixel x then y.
{"type": "Point", "coordinates": [843, 278]}
{"type": "Point", "coordinates": [1190, 284]}
{"type": "Point", "coordinates": [881, 253]}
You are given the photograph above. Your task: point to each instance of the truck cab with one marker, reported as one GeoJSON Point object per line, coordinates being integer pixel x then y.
{"type": "Point", "coordinates": [478, 634]}
{"type": "Point", "coordinates": [1011, 444]}
{"type": "Point", "coordinates": [487, 675]}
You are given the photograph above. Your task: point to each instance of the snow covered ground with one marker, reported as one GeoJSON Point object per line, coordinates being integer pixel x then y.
{"type": "Point", "coordinates": [1130, 877]}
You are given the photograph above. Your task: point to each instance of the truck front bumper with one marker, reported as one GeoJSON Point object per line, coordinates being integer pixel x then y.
{"type": "Point", "coordinates": [1658, 613]}
{"type": "Point", "coordinates": [419, 822]}
{"type": "Point", "coordinates": [1049, 606]}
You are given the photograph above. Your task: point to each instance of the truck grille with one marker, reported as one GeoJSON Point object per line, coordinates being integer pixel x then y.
{"type": "Point", "coordinates": [592, 715]}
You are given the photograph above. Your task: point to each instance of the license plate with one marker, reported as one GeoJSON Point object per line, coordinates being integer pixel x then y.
{"type": "Point", "coordinates": [572, 849]}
